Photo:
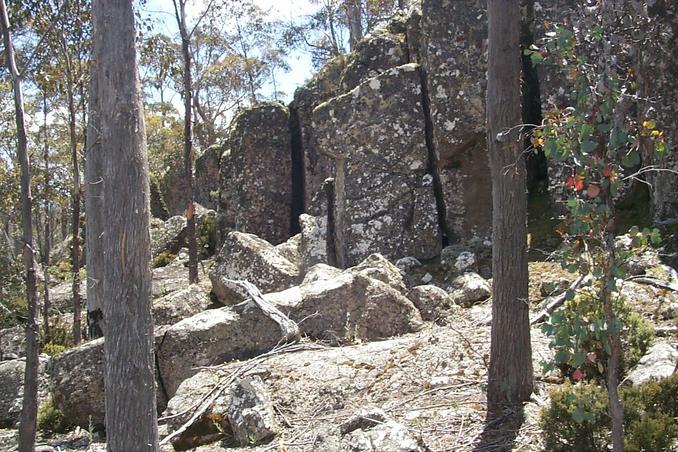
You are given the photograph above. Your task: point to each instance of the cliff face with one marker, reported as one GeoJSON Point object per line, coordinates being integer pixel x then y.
{"type": "Point", "coordinates": [400, 126]}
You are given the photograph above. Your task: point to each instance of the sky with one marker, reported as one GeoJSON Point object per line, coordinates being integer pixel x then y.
{"type": "Point", "coordinates": [162, 13]}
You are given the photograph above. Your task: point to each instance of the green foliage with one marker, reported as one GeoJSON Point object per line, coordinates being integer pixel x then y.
{"type": "Point", "coordinates": [12, 287]}
{"type": "Point", "coordinates": [60, 338]}
{"type": "Point", "coordinates": [62, 270]}
{"type": "Point", "coordinates": [163, 259]}
{"type": "Point", "coordinates": [51, 419]}
{"type": "Point", "coordinates": [577, 418]}
{"type": "Point", "coordinates": [207, 235]}
{"type": "Point", "coordinates": [579, 336]}
{"type": "Point", "coordinates": [587, 403]}
{"type": "Point", "coordinates": [52, 349]}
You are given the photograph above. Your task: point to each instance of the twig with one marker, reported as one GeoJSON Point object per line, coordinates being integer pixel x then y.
{"type": "Point", "coordinates": [557, 301]}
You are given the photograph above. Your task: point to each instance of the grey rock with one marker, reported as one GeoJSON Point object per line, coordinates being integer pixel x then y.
{"type": "Point", "coordinates": [77, 383]}
{"type": "Point", "coordinates": [205, 430]}
{"type": "Point", "coordinates": [378, 267]}
{"type": "Point", "coordinates": [12, 389]}
{"type": "Point", "coordinates": [320, 272]}
{"type": "Point", "coordinates": [171, 235]}
{"type": "Point", "coordinates": [458, 259]}
{"type": "Point", "coordinates": [384, 200]}
{"type": "Point", "coordinates": [469, 289]}
{"type": "Point", "coordinates": [246, 256]}
{"type": "Point", "coordinates": [12, 343]}
{"type": "Point", "coordinates": [180, 305]}
{"type": "Point", "coordinates": [431, 301]}
{"type": "Point", "coordinates": [291, 250]}
{"type": "Point", "coordinates": [660, 361]}
{"type": "Point", "coordinates": [213, 337]}
{"type": "Point", "coordinates": [454, 55]}
{"type": "Point", "coordinates": [354, 307]}
{"type": "Point", "coordinates": [250, 412]}
{"type": "Point", "coordinates": [389, 436]}
{"type": "Point", "coordinates": [261, 179]}
{"type": "Point", "coordinates": [313, 240]}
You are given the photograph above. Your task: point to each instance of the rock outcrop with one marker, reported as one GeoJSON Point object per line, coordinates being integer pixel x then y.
{"type": "Point", "coordinates": [248, 257]}
{"type": "Point", "coordinates": [212, 337]}
{"type": "Point", "coordinates": [12, 389]}
{"type": "Point", "coordinates": [261, 180]}
{"type": "Point", "coordinates": [454, 56]}
{"type": "Point", "coordinates": [384, 198]}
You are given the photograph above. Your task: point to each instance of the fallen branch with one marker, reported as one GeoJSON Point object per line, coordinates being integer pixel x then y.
{"type": "Point", "coordinates": [208, 399]}
{"type": "Point", "coordinates": [288, 327]}
{"type": "Point", "coordinates": [672, 285]}
{"type": "Point", "coordinates": [556, 302]}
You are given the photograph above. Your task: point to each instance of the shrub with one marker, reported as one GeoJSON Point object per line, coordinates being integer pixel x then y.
{"type": "Point", "coordinates": [579, 337]}
{"type": "Point", "coordinates": [50, 418]}
{"type": "Point", "coordinates": [577, 418]}
{"type": "Point", "coordinates": [52, 349]}
{"type": "Point", "coordinates": [207, 235]}
{"type": "Point", "coordinates": [163, 259]}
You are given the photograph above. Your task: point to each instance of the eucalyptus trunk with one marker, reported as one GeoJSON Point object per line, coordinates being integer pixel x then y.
{"type": "Point", "coordinates": [510, 373]}
{"type": "Point", "coordinates": [29, 410]}
{"type": "Point", "coordinates": [129, 368]}
{"type": "Point", "coordinates": [180, 11]}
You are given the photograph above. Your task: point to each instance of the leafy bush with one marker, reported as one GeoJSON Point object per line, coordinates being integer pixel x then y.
{"type": "Point", "coordinates": [579, 337]}
{"type": "Point", "coordinates": [207, 235]}
{"type": "Point", "coordinates": [577, 418]}
{"type": "Point", "coordinates": [50, 418]}
{"type": "Point", "coordinates": [52, 349]}
{"type": "Point", "coordinates": [60, 338]}
{"type": "Point", "coordinates": [163, 259]}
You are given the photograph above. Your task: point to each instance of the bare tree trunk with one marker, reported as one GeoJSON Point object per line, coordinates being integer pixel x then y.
{"type": "Point", "coordinates": [188, 141]}
{"type": "Point", "coordinates": [510, 374]}
{"type": "Point", "coordinates": [94, 184]}
{"type": "Point", "coordinates": [75, 197]}
{"type": "Point", "coordinates": [48, 233]}
{"type": "Point", "coordinates": [131, 417]}
{"type": "Point", "coordinates": [355, 24]}
{"type": "Point", "coordinates": [29, 408]}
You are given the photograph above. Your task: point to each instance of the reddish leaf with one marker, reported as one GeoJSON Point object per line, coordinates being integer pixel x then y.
{"type": "Point", "coordinates": [578, 183]}
{"type": "Point", "coordinates": [570, 182]}
{"type": "Point", "coordinates": [591, 357]}
{"type": "Point", "coordinates": [593, 190]}
{"type": "Point", "coordinates": [607, 171]}
{"type": "Point", "coordinates": [578, 375]}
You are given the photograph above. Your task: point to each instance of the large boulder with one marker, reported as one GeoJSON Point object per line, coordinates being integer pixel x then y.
{"type": "Point", "coordinates": [351, 307]}
{"type": "Point", "coordinates": [432, 301]}
{"type": "Point", "coordinates": [454, 56]}
{"type": "Point", "coordinates": [207, 428]}
{"type": "Point", "coordinates": [261, 163]}
{"type": "Point", "coordinates": [12, 389]}
{"type": "Point", "coordinates": [384, 198]}
{"type": "Point", "coordinates": [77, 383]}
{"type": "Point", "coordinates": [250, 413]}
{"type": "Point", "coordinates": [660, 361]}
{"type": "Point", "coordinates": [180, 304]}
{"type": "Point", "coordinates": [247, 257]}
{"type": "Point", "coordinates": [171, 235]}
{"type": "Point", "coordinates": [12, 343]}
{"type": "Point", "coordinates": [213, 337]}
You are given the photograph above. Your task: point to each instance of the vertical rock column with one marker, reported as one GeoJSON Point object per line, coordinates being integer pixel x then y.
{"type": "Point", "coordinates": [261, 172]}
{"type": "Point", "coordinates": [384, 200]}
{"type": "Point", "coordinates": [453, 35]}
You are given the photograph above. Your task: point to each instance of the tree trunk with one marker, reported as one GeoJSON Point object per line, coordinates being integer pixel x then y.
{"type": "Point", "coordinates": [48, 233]}
{"type": "Point", "coordinates": [510, 373]}
{"type": "Point", "coordinates": [29, 408]}
{"type": "Point", "coordinates": [131, 417]}
{"type": "Point", "coordinates": [354, 19]}
{"type": "Point", "coordinates": [75, 198]}
{"type": "Point", "coordinates": [188, 142]}
{"type": "Point", "coordinates": [94, 217]}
